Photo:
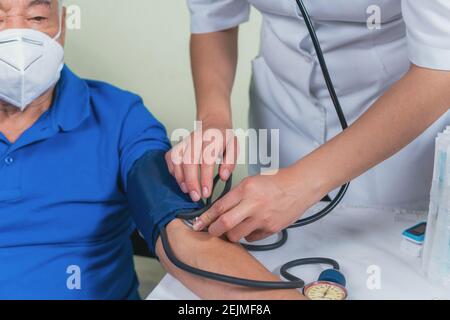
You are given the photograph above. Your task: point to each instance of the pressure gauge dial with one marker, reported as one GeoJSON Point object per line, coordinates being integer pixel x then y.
{"type": "Point", "coordinates": [325, 290]}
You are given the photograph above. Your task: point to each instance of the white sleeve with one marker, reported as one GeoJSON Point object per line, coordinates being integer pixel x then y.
{"type": "Point", "coordinates": [216, 15]}
{"type": "Point", "coordinates": [428, 32]}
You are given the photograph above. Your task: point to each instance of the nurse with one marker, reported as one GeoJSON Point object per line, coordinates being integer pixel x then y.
{"type": "Point", "coordinates": [393, 80]}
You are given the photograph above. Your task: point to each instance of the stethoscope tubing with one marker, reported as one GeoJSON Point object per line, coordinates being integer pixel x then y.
{"type": "Point", "coordinates": [293, 281]}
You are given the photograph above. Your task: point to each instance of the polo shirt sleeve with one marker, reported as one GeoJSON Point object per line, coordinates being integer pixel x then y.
{"type": "Point", "coordinates": [428, 32]}
{"type": "Point", "coordinates": [216, 15]}
{"type": "Point", "coordinates": [141, 132]}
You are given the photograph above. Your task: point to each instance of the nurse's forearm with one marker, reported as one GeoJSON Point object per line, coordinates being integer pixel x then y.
{"type": "Point", "coordinates": [203, 251]}
{"type": "Point", "coordinates": [214, 60]}
{"type": "Point", "coordinates": [395, 120]}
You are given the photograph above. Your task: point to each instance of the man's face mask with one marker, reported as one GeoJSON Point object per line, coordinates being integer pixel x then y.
{"type": "Point", "coordinates": [30, 63]}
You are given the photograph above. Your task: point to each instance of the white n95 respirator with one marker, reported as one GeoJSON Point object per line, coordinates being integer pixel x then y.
{"type": "Point", "coordinates": [30, 63]}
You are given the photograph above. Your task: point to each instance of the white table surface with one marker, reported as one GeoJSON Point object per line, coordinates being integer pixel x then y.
{"type": "Point", "coordinates": [357, 238]}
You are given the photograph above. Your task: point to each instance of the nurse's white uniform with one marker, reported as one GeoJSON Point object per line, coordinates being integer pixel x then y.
{"type": "Point", "coordinates": [288, 92]}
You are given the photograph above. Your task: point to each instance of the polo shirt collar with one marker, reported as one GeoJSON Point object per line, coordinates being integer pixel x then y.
{"type": "Point", "coordinates": [71, 103]}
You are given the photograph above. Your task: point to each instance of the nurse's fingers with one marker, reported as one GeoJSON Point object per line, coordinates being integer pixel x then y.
{"type": "Point", "coordinates": [257, 235]}
{"type": "Point", "coordinates": [242, 230]}
{"type": "Point", "coordinates": [191, 180]}
{"type": "Point", "coordinates": [174, 159]}
{"type": "Point", "coordinates": [213, 146]}
{"type": "Point", "coordinates": [191, 162]}
{"type": "Point", "coordinates": [230, 157]}
{"type": "Point", "coordinates": [223, 205]}
{"type": "Point", "coordinates": [206, 179]}
{"type": "Point", "coordinates": [169, 163]}
{"type": "Point", "coordinates": [231, 219]}
{"type": "Point", "coordinates": [179, 176]}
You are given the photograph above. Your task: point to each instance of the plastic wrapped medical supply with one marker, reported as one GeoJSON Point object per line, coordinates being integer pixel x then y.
{"type": "Point", "coordinates": [436, 252]}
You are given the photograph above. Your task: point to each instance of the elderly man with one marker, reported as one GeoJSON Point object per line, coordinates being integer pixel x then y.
{"type": "Point", "coordinates": [67, 146]}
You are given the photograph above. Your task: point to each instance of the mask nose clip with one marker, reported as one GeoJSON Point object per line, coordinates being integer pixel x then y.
{"type": "Point", "coordinates": [32, 41]}
{"type": "Point", "coordinates": [9, 41]}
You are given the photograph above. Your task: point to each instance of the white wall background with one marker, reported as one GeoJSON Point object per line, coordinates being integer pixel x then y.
{"type": "Point", "coordinates": [143, 46]}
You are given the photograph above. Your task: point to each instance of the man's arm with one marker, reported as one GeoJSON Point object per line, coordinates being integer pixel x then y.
{"type": "Point", "coordinates": [203, 251]}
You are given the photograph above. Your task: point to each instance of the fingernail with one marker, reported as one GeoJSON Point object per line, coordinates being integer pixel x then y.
{"type": "Point", "coordinates": [205, 192]}
{"type": "Point", "coordinates": [198, 225]}
{"type": "Point", "coordinates": [225, 174]}
{"type": "Point", "coordinates": [184, 187]}
{"type": "Point", "coordinates": [194, 196]}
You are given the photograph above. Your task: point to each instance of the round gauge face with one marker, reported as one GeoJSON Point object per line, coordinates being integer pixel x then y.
{"type": "Point", "coordinates": [323, 290]}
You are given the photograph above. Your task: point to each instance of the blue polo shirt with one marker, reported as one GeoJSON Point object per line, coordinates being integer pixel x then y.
{"type": "Point", "coordinates": [64, 223]}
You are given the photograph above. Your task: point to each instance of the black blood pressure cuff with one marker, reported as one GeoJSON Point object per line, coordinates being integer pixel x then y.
{"type": "Point", "coordinates": [154, 196]}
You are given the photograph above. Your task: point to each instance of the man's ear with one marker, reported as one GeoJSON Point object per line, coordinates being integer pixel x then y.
{"type": "Point", "coordinates": [62, 38]}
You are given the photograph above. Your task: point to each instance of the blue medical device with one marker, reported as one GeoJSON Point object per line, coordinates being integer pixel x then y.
{"type": "Point", "coordinates": [416, 233]}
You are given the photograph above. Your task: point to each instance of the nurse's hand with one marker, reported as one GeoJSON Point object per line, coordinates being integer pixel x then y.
{"type": "Point", "coordinates": [192, 161]}
{"type": "Point", "coordinates": [260, 206]}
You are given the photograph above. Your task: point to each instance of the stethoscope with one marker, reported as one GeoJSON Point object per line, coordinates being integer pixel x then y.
{"type": "Point", "coordinates": [333, 275]}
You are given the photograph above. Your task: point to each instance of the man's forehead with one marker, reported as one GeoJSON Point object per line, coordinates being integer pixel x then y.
{"type": "Point", "coordinates": [9, 4]}
{"type": "Point", "coordinates": [40, 2]}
